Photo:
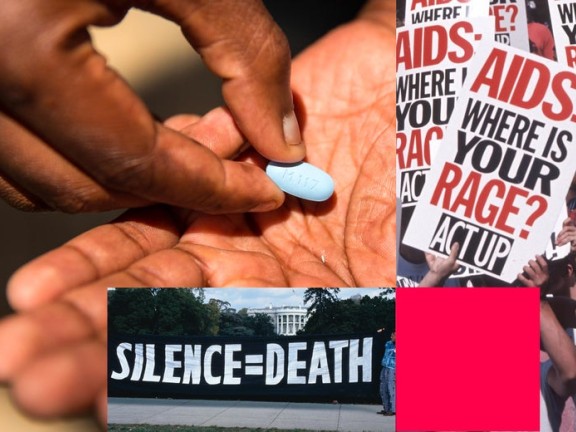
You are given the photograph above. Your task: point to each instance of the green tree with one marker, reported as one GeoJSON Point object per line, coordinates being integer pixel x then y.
{"type": "Point", "coordinates": [131, 311]}
{"type": "Point", "coordinates": [166, 311]}
{"type": "Point", "coordinates": [179, 312]}
{"type": "Point", "coordinates": [348, 316]}
{"type": "Point", "coordinates": [233, 324]}
{"type": "Point", "coordinates": [260, 324]}
{"type": "Point", "coordinates": [320, 298]}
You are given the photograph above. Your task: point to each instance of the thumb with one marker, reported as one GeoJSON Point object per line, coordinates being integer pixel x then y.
{"type": "Point", "coordinates": [240, 42]}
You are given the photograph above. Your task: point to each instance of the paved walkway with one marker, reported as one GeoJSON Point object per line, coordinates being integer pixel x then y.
{"type": "Point", "coordinates": [281, 415]}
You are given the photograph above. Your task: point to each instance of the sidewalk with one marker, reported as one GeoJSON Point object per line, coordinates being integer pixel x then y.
{"type": "Point", "coordinates": [281, 415]}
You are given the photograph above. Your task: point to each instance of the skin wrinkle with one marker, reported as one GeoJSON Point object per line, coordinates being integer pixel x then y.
{"type": "Point", "coordinates": [83, 316]}
{"type": "Point", "coordinates": [199, 262]}
{"type": "Point", "coordinates": [298, 248]}
{"type": "Point", "coordinates": [85, 257]}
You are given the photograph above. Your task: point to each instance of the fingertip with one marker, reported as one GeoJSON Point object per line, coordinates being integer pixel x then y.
{"type": "Point", "coordinates": [268, 205]}
{"type": "Point", "coordinates": [13, 349]}
{"type": "Point", "coordinates": [181, 121]}
{"type": "Point", "coordinates": [28, 288]}
{"type": "Point", "coordinates": [19, 291]}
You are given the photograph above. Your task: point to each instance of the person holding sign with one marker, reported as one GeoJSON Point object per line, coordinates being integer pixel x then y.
{"type": "Point", "coordinates": [388, 378]}
{"type": "Point", "coordinates": [558, 372]}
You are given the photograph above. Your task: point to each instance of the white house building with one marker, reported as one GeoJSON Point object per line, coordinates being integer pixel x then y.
{"type": "Point", "coordinates": [287, 320]}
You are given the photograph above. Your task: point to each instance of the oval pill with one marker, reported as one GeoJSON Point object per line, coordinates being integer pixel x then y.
{"type": "Point", "coordinates": [302, 180]}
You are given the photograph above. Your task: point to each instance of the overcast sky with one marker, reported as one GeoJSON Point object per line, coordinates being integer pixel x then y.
{"type": "Point", "coordinates": [263, 297]}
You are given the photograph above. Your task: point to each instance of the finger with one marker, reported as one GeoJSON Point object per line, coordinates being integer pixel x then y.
{"type": "Point", "coordinates": [240, 42]}
{"type": "Point", "coordinates": [166, 268]}
{"type": "Point", "coordinates": [215, 130]}
{"type": "Point", "coordinates": [99, 124]}
{"type": "Point", "coordinates": [64, 382]}
{"type": "Point", "coordinates": [93, 255]}
{"type": "Point", "coordinates": [454, 249]}
{"type": "Point", "coordinates": [38, 178]}
{"type": "Point", "coordinates": [24, 337]}
{"type": "Point", "coordinates": [19, 198]}
{"type": "Point", "coordinates": [525, 281]}
{"type": "Point", "coordinates": [529, 270]}
{"type": "Point", "coordinates": [542, 263]}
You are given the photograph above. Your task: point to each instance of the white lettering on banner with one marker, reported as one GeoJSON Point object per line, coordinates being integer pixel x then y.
{"type": "Point", "coordinates": [138, 364]}
{"type": "Point", "coordinates": [149, 368]}
{"type": "Point", "coordinates": [338, 347]}
{"type": "Point", "coordinates": [230, 364]}
{"type": "Point", "coordinates": [274, 360]}
{"type": "Point", "coordinates": [171, 364]}
{"type": "Point", "coordinates": [125, 367]}
{"type": "Point", "coordinates": [358, 361]}
{"type": "Point", "coordinates": [211, 379]}
{"type": "Point", "coordinates": [195, 364]}
{"type": "Point", "coordinates": [192, 362]}
{"type": "Point", "coordinates": [319, 364]}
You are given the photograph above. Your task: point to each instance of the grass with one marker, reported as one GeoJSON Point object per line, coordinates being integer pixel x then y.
{"type": "Point", "coordinates": [167, 428]}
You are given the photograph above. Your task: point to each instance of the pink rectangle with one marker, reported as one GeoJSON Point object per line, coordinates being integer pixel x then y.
{"type": "Point", "coordinates": [467, 359]}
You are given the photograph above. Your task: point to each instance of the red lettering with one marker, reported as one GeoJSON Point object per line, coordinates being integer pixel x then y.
{"type": "Point", "coordinates": [571, 56]}
{"type": "Point", "coordinates": [509, 208]}
{"type": "Point", "coordinates": [449, 179]}
{"type": "Point", "coordinates": [566, 105]}
{"type": "Point", "coordinates": [468, 194]}
{"type": "Point", "coordinates": [403, 50]}
{"type": "Point", "coordinates": [491, 203]}
{"type": "Point", "coordinates": [435, 37]}
{"type": "Point", "coordinates": [530, 70]}
{"type": "Point", "coordinates": [430, 45]}
{"type": "Point", "coordinates": [461, 42]}
{"type": "Point", "coordinates": [491, 73]}
{"type": "Point", "coordinates": [499, 15]}
{"type": "Point", "coordinates": [494, 187]}
{"type": "Point", "coordinates": [415, 151]}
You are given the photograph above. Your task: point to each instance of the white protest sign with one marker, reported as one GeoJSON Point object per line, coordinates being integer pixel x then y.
{"type": "Point", "coordinates": [563, 17]}
{"type": "Point", "coordinates": [511, 24]}
{"type": "Point", "coordinates": [430, 70]}
{"type": "Point", "coordinates": [422, 11]}
{"type": "Point", "coordinates": [553, 251]}
{"type": "Point", "coordinates": [506, 163]}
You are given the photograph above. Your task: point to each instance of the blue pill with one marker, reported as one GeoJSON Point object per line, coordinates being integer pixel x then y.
{"type": "Point", "coordinates": [301, 180]}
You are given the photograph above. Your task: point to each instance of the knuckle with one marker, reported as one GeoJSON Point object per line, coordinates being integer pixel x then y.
{"type": "Point", "coordinates": [132, 173]}
{"type": "Point", "coordinates": [71, 202]}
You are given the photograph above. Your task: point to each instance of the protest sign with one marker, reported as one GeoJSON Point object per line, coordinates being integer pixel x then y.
{"type": "Point", "coordinates": [423, 11]}
{"type": "Point", "coordinates": [506, 163]}
{"type": "Point", "coordinates": [563, 17]}
{"type": "Point", "coordinates": [511, 24]}
{"type": "Point", "coordinates": [344, 366]}
{"type": "Point", "coordinates": [553, 251]}
{"type": "Point", "coordinates": [431, 65]}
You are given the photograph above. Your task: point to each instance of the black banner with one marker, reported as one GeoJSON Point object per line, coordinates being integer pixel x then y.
{"type": "Point", "coordinates": [343, 367]}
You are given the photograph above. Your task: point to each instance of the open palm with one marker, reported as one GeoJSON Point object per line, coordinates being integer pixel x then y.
{"type": "Point", "coordinates": [344, 85]}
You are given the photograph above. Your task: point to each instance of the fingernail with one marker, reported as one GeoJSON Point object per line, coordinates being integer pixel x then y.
{"type": "Point", "coordinates": [291, 129]}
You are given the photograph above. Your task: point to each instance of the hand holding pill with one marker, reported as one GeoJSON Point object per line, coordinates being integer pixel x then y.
{"type": "Point", "coordinates": [90, 143]}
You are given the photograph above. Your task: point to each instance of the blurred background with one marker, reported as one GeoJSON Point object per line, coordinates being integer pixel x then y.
{"type": "Point", "coordinates": [155, 59]}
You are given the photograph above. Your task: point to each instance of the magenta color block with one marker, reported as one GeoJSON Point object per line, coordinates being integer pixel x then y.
{"type": "Point", "coordinates": [467, 359]}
